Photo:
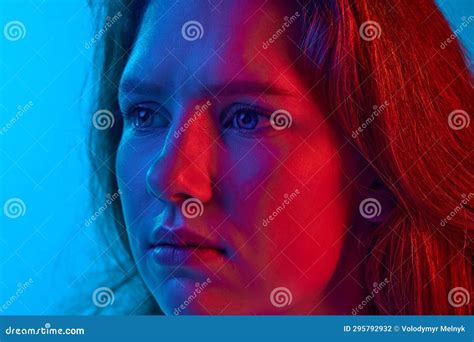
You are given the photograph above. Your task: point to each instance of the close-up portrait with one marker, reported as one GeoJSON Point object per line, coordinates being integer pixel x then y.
{"type": "Point", "coordinates": [237, 158]}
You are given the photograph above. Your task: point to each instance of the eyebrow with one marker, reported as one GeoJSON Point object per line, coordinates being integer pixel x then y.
{"type": "Point", "coordinates": [139, 86]}
{"type": "Point", "coordinates": [241, 87]}
{"type": "Point", "coordinates": [250, 88]}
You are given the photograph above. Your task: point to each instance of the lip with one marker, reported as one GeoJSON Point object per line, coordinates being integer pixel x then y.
{"type": "Point", "coordinates": [185, 256]}
{"type": "Point", "coordinates": [181, 247]}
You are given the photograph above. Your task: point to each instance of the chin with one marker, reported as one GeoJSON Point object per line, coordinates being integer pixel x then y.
{"type": "Point", "coordinates": [184, 296]}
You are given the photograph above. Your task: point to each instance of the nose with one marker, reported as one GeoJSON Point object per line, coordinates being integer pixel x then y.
{"type": "Point", "coordinates": [184, 166]}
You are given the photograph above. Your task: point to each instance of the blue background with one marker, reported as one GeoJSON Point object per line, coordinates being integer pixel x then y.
{"type": "Point", "coordinates": [43, 157]}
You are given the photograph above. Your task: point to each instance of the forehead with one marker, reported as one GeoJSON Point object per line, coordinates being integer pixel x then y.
{"type": "Point", "coordinates": [190, 44]}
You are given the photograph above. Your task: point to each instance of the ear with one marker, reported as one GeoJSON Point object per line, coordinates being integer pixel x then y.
{"type": "Point", "coordinates": [372, 201]}
{"type": "Point", "coordinates": [376, 202]}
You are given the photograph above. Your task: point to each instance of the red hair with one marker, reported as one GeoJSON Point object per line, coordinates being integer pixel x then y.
{"type": "Point", "coordinates": [424, 162]}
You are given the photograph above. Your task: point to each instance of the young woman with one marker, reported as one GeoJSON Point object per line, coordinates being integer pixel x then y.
{"type": "Point", "coordinates": [279, 158]}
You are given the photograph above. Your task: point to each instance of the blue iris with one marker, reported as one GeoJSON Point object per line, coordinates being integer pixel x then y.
{"type": "Point", "coordinates": [245, 119]}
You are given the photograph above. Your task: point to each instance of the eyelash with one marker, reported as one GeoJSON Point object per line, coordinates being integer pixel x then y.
{"type": "Point", "coordinates": [230, 113]}
{"type": "Point", "coordinates": [227, 117]}
{"type": "Point", "coordinates": [131, 114]}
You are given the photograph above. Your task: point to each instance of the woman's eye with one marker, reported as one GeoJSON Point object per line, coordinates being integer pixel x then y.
{"type": "Point", "coordinates": [143, 118]}
{"type": "Point", "coordinates": [147, 118]}
{"type": "Point", "coordinates": [247, 119]}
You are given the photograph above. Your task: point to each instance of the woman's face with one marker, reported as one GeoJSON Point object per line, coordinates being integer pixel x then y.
{"type": "Point", "coordinates": [228, 210]}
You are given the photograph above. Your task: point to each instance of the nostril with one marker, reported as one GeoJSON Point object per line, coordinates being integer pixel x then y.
{"type": "Point", "coordinates": [178, 198]}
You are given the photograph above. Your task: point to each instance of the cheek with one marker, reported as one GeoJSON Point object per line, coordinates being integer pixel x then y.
{"type": "Point", "coordinates": [309, 232]}
{"type": "Point", "coordinates": [242, 174]}
{"type": "Point", "coordinates": [132, 164]}
{"type": "Point", "coordinates": [288, 200]}
{"type": "Point", "coordinates": [131, 167]}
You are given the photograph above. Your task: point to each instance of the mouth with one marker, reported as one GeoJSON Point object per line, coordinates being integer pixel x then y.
{"type": "Point", "coordinates": [180, 247]}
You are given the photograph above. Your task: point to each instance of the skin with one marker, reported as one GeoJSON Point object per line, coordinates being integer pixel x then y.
{"type": "Point", "coordinates": [240, 172]}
